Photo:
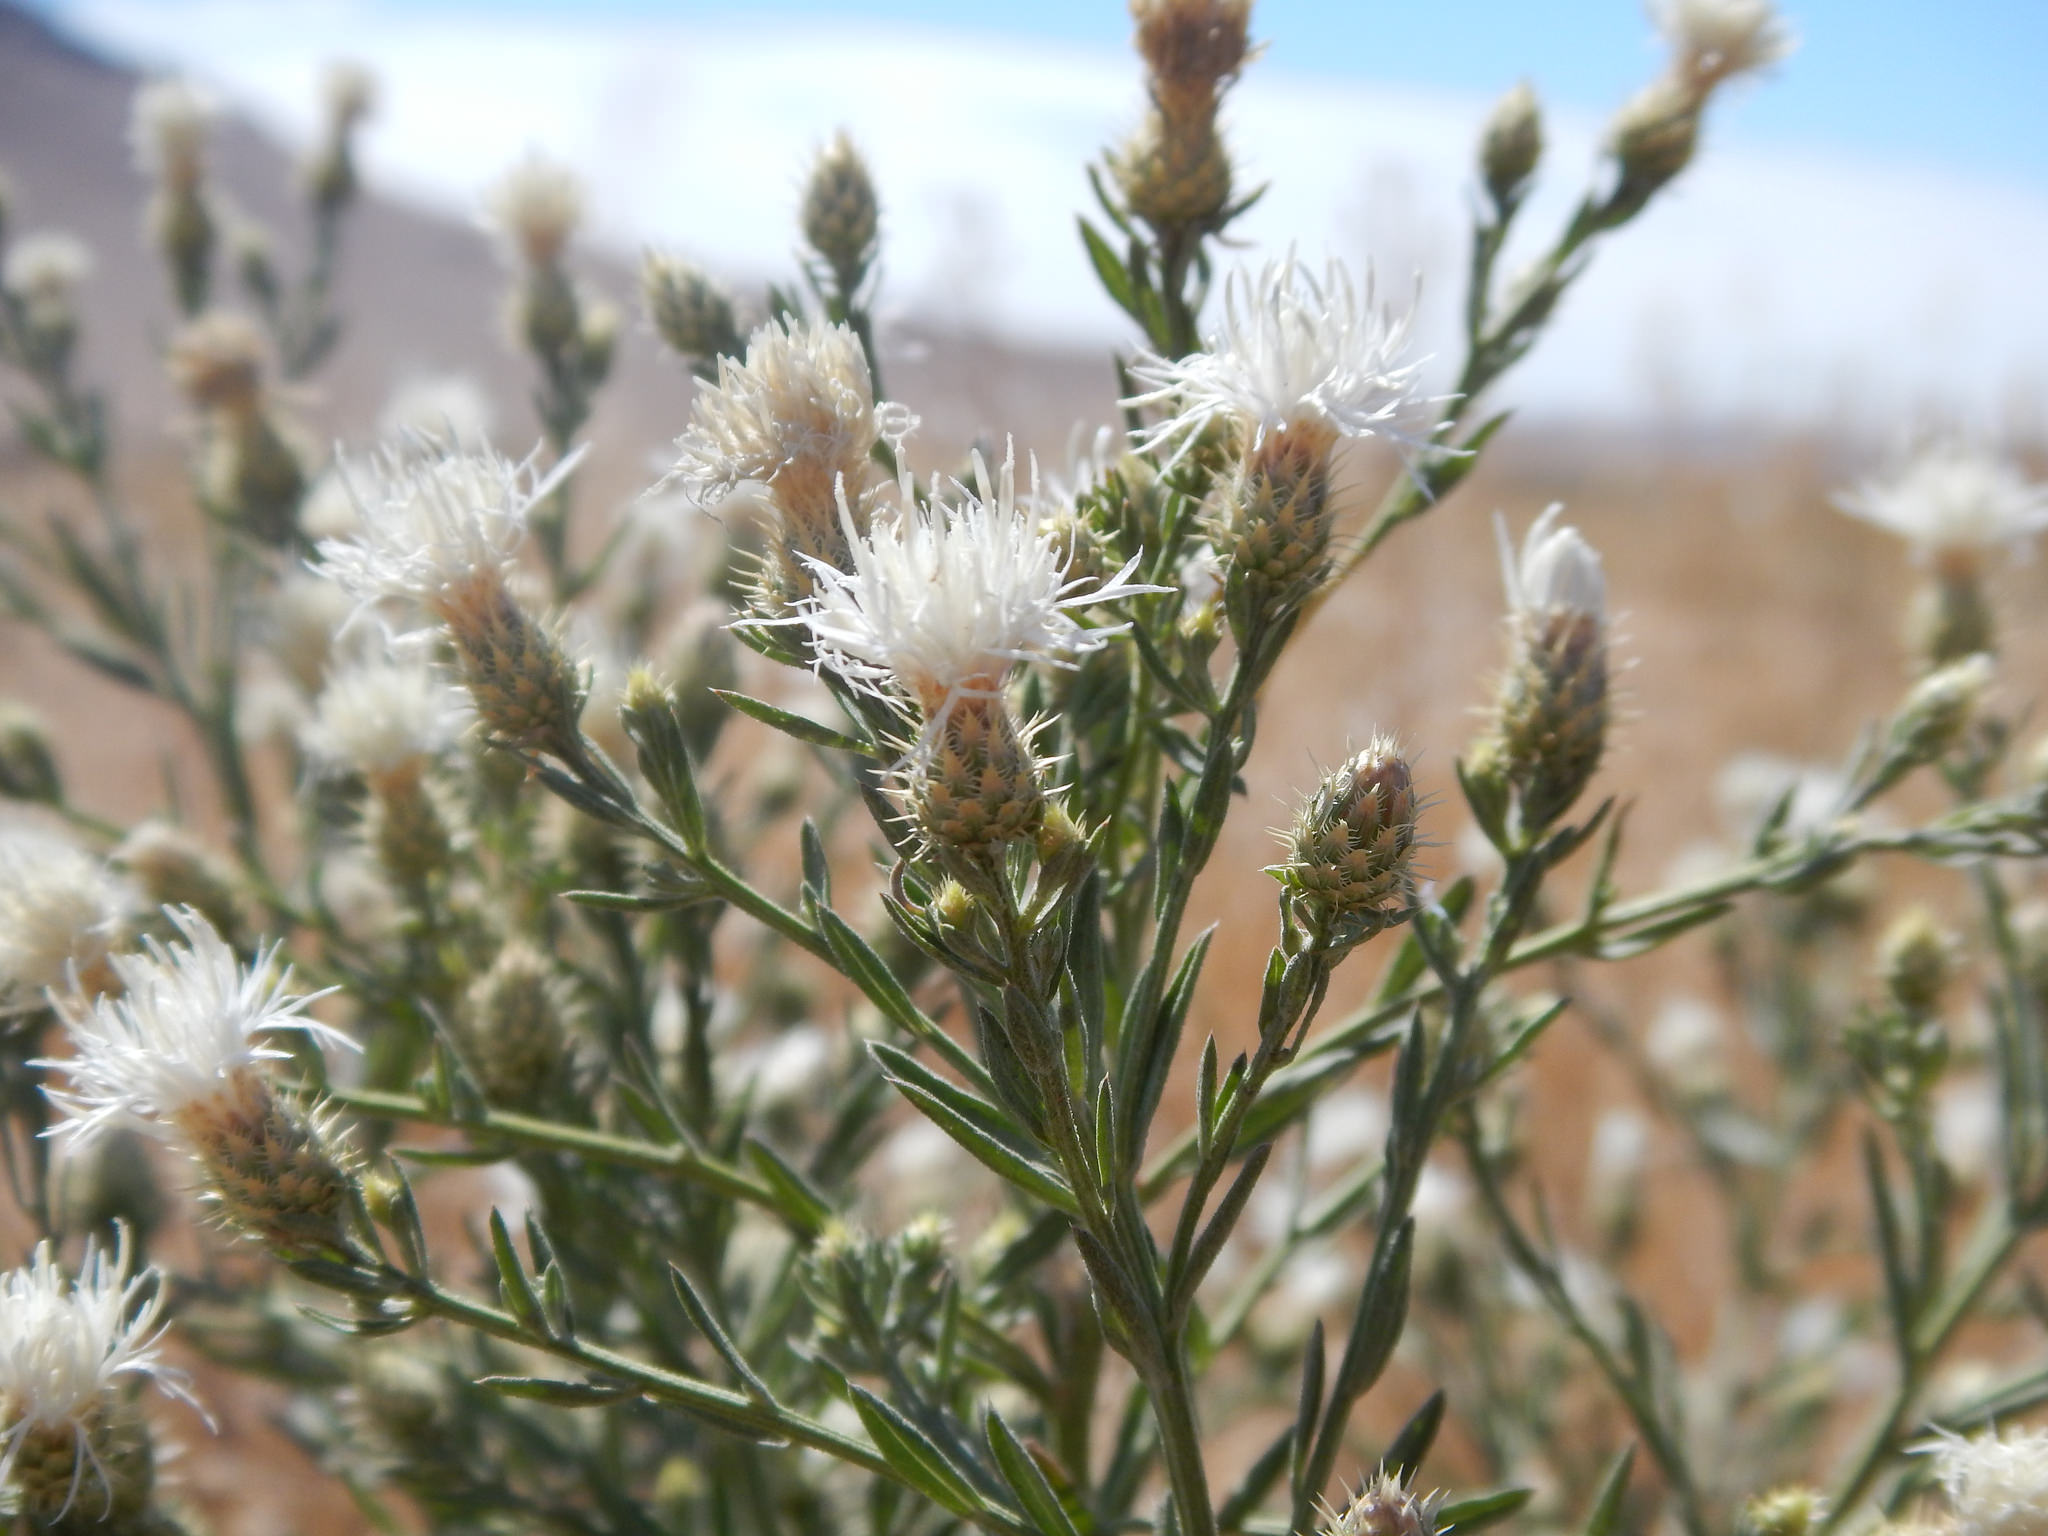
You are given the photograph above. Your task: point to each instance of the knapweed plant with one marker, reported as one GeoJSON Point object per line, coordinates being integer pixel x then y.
{"type": "Point", "coordinates": [613, 1101]}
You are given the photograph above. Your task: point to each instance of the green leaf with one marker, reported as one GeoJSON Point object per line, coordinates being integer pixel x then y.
{"type": "Point", "coordinates": [1109, 268]}
{"type": "Point", "coordinates": [1150, 1053]}
{"type": "Point", "coordinates": [1258, 1481]}
{"type": "Point", "coordinates": [1472, 1514]}
{"type": "Point", "coordinates": [799, 726]}
{"type": "Point", "coordinates": [817, 869]}
{"type": "Point", "coordinates": [718, 1338]}
{"type": "Point", "coordinates": [794, 1196]}
{"type": "Point", "coordinates": [968, 1120]}
{"type": "Point", "coordinates": [912, 1454]}
{"type": "Point", "coordinates": [1606, 1512]}
{"type": "Point", "coordinates": [1027, 1480]}
{"type": "Point", "coordinates": [513, 1285]}
{"type": "Point", "coordinates": [1227, 1211]}
{"type": "Point", "coordinates": [1308, 1407]}
{"type": "Point", "coordinates": [868, 971]}
{"type": "Point", "coordinates": [1404, 1453]}
{"type": "Point", "coordinates": [560, 1394]}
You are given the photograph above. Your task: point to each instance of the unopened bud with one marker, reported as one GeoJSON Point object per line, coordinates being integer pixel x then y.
{"type": "Point", "coordinates": [1951, 618]}
{"type": "Point", "coordinates": [1917, 959]}
{"type": "Point", "coordinates": [1511, 145]}
{"type": "Point", "coordinates": [841, 217]}
{"type": "Point", "coordinates": [216, 362]}
{"type": "Point", "coordinates": [174, 869]}
{"type": "Point", "coordinates": [1272, 528]}
{"type": "Point", "coordinates": [546, 312]}
{"type": "Point", "coordinates": [1940, 709]}
{"type": "Point", "coordinates": [528, 693]}
{"type": "Point", "coordinates": [1653, 139]}
{"type": "Point", "coordinates": [691, 313]}
{"type": "Point", "coordinates": [1174, 172]}
{"type": "Point", "coordinates": [1794, 1511]}
{"type": "Point", "coordinates": [598, 339]}
{"type": "Point", "coordinates": [1350, 851]}
{"type": "Point", "coordinates": [273, 1170]}
{"type": "Point", "coordinates": [406, 828]}
{"type": "Point", "coordinates": [28, 768]}
{"type": "Point", "coordinates": [516, 1032]}
{"type": "Point", "coordinates": [95, 1475]}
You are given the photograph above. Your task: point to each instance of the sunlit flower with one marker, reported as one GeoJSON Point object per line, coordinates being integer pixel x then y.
{"type": "Point", "coordinates": [185, 1041]}
{"type": "Point", "coordinates": [60, 911]}
{"type": "Point", "coordinates": [44, 270]}
{"type": "Point", "coordinates": [66, 1348]}
{"type": "Point", "coordinates": [945, 601]}
{"type": "Point", "coordinates": [1953, 501]}
{"type": "Point", "coordinates": [1713, 41]}
{"type": "Point", "coordinates": [1296, 354]}
{"type": "Point", "coordinates": [1997, 1484]}
{"type": "Point", "coordinates": [379, 716]}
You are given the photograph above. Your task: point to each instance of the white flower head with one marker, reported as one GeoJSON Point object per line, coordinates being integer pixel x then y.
{"type": "Point", "coordinates": [45, 269]}
{"type": "Point", "coordinates": [945, 601]}
{"type": "Point", "coordinates": [536, 208]}
{"type": "Point", "coordinates": [1953, 500]}
{"type": "Point", "coordinates": [1296, 354]}
{"type": "Point", "coordinates": [169, 123]}
{"type": "Point", "coordinates": [61, 910]}
{"type": "Point", "coordinates": [434, 522]}
{"type": "Point", "coordinates": [1997, 1484]}
{"type": "Point", "coordinates": [381, 715]}
{"type": "Point", "coordinates": [1558, 572]}
{"type": "Point", "coordinates": [349, 91]}
{"type": "Point", "coordinates": [800, 405]}
{"type": "Point", "coordinates": [67, 1345]}
{"type": "Point", "coordinates": [190, 1032]}
{"type": "Point", "coordinates": [1716, 40]}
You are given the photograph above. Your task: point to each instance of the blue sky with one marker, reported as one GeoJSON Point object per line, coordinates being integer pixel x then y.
{"type": "Point", "coordinates": [1961, 84]}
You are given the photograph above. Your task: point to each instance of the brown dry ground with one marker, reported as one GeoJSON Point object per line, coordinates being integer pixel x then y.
{"type": "Point", "coordinates": [1754, 617]}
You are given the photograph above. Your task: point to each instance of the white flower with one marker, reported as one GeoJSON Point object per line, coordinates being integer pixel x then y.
{"type": "Point", "coordinates": [378, 716]}
{"type": "Point", "coordinates": [1295, 354]}
{"type": "Point", "coordinates": [349, 91]}
{"type": "Point", "coordinates": [1953, 500]}
{"type": "Point", "coordinates": [44, 269]}
{"type": "Point", "coordinates": [66, 1346]}
{"type": "Point", "coordinates": [1997, 1484]}
{"type": "Point", "coordinates": [802, 400]}
{"type": "Point", "coordinates": [60, 910]}
{"type": "Point", "coordinates": [1558, 572]}
{"type": "Point", "coordinates": [1716, 40]}
{"type": "Point", "coordinates": [536, 208]}
{"type": "Point", "coordinates": [945, 601]}
{"type": "Point", "coordinates": [191, 1030]}
{"type": "Point", "coordinates": [433, 522]}
{"type": "Point", "coordinates": [168, 126]}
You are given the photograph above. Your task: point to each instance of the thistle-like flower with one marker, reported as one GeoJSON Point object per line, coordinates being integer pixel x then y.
{"type": "Point", "coordinates": [61, 910]}
{"type": "Point", "coordinates": [43, 274]}
{"type": "Point", "coordinates": [1997, 1484]}
{"type": "Point", "coordinates": [181, 1055]}
{"type": "Point", "coordinates": [1552, 710]}
{"type": "Point", "coordinates": [944, 602]}
{"type": "Point", "coordinates": [536, 209]}
{"type": "Point", "coordinates": [1299, 358]}
{"type": "Point", "coordinates": [217, 362]}
{"type": "Point", "coordinates": [169, 124]}
{"type": "Point", "coordinates": [1300, 364]}
{"type": "Point", "coordinates": [1953, 504]}
{"type": "Point", "coordinates": [1714, 41]}
{"type": "Point", "coordinates": [841, 217]}
{"type": "Point", "coordinates": [1383, 1507]}
{"type": "Point", "coordinates": [383, 717]}
{"type": "Point", "coordinates": [441, 531]}
{"type": "Point", "coordinates": [798, 416]}
{"type": "Point", "coordinates": [69, 1349]}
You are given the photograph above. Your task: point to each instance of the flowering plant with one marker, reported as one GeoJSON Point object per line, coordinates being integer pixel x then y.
{"type": "Point", "coordinates": [488, 900]}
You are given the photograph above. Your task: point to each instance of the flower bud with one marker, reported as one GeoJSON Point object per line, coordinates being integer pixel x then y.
{"type": "Point", "coordinates": [1652, 140]}
{"type": "Point", "coordinates": [106, 1183]}
{"type": "Point", "coordinates": [693, 314]}
{"type": "Point", "coordinates": [1950, 619]}
{"type": "Point", "coordinates": [1511, 145]}
{"type": "Point", "coordinates": [598, 339]}
{"type": "Point", "coordinates": [1174, 172]}
{"type": "Point", "coordinates": [1917, 960]}
{"type": "Point", "coordinates": [528, 693]}
{"type": "Point", "coordinates": [174, 869]}
{"type": "Point", "coordinates": [515, 1031]}
{"type": "Point", "coordinates": [1349, 853]}
{"type": "Point", "coordinates": [1273, 531]}
{"type": "Point", "coordinates": [841, 218]}
{"type": "Point", "coordinates": [1939, 710]}
{"type": "Point", "coordinates": [28, 769]}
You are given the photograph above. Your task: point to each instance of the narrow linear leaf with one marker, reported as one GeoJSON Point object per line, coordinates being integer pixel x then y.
{"type": "Point", "coordinates": [791, 724]}
{"type": "Point", "coordinates": [913, 1455]}
{"type": "Point", "coordinates": [1606, 1512]}
{"type": "Point", "coordinates": [702, 1320]}
{"type": "Point", "coordinates": [1404, 1453]}
{"type": "Point", "coordinates": [1487, 1509]}
{"type": "Point", "coordinates": [1032, 1177]}
{"type": "Point", "coordinates": [512, 1281]}
{"type": "Point", "coordinates": [1027, 1480]}
{"type": "Point", "coordinates": [560, 1394]}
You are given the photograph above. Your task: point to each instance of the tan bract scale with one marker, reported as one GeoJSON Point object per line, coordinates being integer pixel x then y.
{"type": "Point", "coordinates": [978, 784]}
{"type": "Point", "coordinates": [1351, 848]}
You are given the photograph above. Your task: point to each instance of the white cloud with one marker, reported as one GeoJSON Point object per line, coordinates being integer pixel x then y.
{"type": "Point", "coordinates": [1786, 288]}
